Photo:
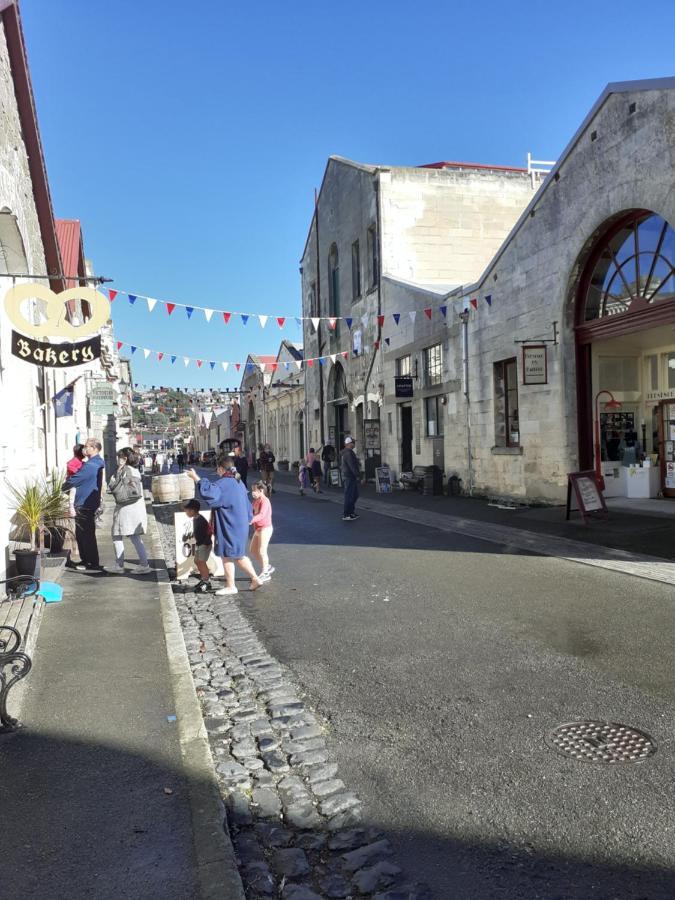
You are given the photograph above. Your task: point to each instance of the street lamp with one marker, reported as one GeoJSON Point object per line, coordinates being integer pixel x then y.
{"type": "Point", "coordinates": [611, 404]}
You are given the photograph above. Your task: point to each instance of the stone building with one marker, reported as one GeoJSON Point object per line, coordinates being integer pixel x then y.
{"type": "Point", "coordinates": [255, 381]}
{"type": "Point", "coordinates": [582, 319]}
{"type": "Point", "coordinates": [285, 406]}
{"type": "Point", "coordinates": [384, 240]}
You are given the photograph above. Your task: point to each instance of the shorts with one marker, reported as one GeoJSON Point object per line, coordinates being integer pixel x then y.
{"type": "Point", "coordinates": [202, 552]}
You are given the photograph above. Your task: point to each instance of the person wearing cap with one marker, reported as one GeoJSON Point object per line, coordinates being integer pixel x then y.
{"type": "Point", "coordinates": [350, 479]}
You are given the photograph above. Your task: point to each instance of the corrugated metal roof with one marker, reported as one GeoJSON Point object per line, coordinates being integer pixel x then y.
{"type": "Point", "coordinates": [69, 236]}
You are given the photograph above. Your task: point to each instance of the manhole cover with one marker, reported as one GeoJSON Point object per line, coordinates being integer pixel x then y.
{"type": "Point", "coordinates": [601, 742]}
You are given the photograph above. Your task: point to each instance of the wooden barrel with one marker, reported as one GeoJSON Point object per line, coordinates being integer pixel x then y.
{"type": "Point", "coordinates": [165, 488]}
{"type": "Point", "coordinates": [186, 487]}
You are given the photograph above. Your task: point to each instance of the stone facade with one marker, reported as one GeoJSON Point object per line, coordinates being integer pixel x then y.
{"type": "Point", "coordinates": [285, 405]}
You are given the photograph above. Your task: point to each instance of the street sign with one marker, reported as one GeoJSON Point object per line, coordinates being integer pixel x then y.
{"type": "Point", "coordinates": [403, 386]}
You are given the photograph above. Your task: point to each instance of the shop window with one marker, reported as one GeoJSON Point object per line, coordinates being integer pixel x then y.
{"type": "Point", "coordinates": [671, 370]}
{"type": "Point", "coordinates": [635, 265]}
{"type": "Point", "coordinates": [403, 365]}
{"type": "Point", "coordinates": [433, 415]}
{"type": "Point", "coordinates": [373, 262]}
{"type": "Point", "coordinates": [507, 427]}
{"type": "Point", "coordinates": [433, 365]}
{"type": "Point", "coordinates": [356, 271]}
{"type": "Point", "coordinates": [652, 373]}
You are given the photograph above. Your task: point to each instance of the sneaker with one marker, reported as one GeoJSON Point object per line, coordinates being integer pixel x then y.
{"type": "Point", "coordinates": [264, 577]}
{"type": "Point", "coordinates": [269, 570]}
{"type": "Point", "coordinates": [118, 570]}
{"type": "Point", "coordinates": [353, 516]}
{"type": "Point", "coordinates": [143, 570]}
{"type": "Point", "coordinates": [227, 591]}
{"type": "Point", "coordinates": [77, 567]}
{"type": "Point", "coordinates": [346, 518]}
{"type": "Point", "coordinates": [203, 587]}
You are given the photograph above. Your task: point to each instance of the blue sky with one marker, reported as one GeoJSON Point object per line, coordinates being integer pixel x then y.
{"type": "Point", "coordinates": [189, 137]}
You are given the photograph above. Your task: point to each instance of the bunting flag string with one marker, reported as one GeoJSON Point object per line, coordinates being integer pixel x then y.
{"type": "Point", "coordinates": [263, 318]}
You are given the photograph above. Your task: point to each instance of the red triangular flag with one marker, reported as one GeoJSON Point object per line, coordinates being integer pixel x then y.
{"type": "Point", "coordinates": [280, 321]}
{"type": "Point", "coordinates": [274, 367]}
{"type": "Point", "coordinates": [345, 353]}
{"type": "Point", "coordinates": [310, 362]}
{"type": "Point", "coordinates": [380, 321]}
{"type": "Point", "coordinates": [474, 302]}
{"type": "Point", "coordinates": [170, 307]}
{"type": "Point", "coordinates": [199, 363]}
{"type": "Point", "coordinates": [119, 345]}
{"type": "Point", "coordinates": [160, 356]}
{"type": "Point", "coordinates": [112, 295]}
{"type": "Point", "coordinates": [427, 312]}
{"type": "Point", "coordinates": [227, 317]}
{"type": "Point", "coordinates": [237, 366]}
{"type": "Point", "coordinates": [376, 345]}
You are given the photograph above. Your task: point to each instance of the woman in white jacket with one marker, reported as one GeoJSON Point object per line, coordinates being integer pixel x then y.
{"type": "Point", "coordinates": [130, 518]}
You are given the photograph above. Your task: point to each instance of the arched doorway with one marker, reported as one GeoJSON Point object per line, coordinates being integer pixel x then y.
{"type": "Point", "coordinates": [338, 406]}
{"type": "Point", "coordinates": [625, 352]}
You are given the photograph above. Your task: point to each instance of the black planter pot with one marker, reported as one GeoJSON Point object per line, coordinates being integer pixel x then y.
{"type": "Point", "coordinates": [27, 562]}
{"type": "Point", "coordinates": [55, 540]}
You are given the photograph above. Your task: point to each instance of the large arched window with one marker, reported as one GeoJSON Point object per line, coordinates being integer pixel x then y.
{"type": "Point", "coordinates": [333, 281]}
{"type": "Point", "coordinates": [12, 252]}
{"type": "Point", "coordinates": [633, 267]}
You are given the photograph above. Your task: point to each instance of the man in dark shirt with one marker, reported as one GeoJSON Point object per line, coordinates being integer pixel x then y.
{"type": "Point", "coordinates": [350, 479]}
{"type": "Point", "coordinates": [327, 457]}
{"type": "Point", "coordinates": [241, 464]}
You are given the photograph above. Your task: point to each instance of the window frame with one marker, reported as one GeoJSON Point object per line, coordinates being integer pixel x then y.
{"type": "Point", "coordinates": [437, 400]}
{"type": "Point", "coordinates": [435, 377]}
{"type": "Point", "coordinates": [399, 368]}
{"type": "Point", "coordinates": [500, 370]}
{"type": "Point", "coordinates": [373, 258]}
{"type": "Point", "coordinates": [357, 288]}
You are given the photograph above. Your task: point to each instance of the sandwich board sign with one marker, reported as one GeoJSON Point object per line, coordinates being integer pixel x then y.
{"type": "Point", "coordinates": [584, 488]}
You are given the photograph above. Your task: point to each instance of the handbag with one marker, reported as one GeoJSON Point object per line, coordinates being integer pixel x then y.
{"type": "Point", "coordinates": [127, 490]}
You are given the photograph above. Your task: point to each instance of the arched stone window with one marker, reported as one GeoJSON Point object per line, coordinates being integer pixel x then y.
{"type": "Point", "coordinates": [632, 267]}
{"type": "Point", "coordinates": [12, 252]}
{"type": "Point", "coordinates": [333, 281]}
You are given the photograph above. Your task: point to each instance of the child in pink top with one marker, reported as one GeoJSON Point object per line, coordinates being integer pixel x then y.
{"type": "Point", "coordinates": [262, 525]}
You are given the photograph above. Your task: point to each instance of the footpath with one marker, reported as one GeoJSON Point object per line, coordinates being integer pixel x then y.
{"type": "Point", "coordinates": [107, 790]}
{"type": "Point", "coordinates": [634, 543]}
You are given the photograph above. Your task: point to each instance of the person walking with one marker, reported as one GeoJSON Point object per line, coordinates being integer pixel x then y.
{"type": "Point", "coordinates": [130, 518]}
{"type": "Point", "coordinates": [350, 478]}
{"type": "Point", "coordinates": [201, 531]}
{"type": "Point", "coordinates": [180, 459]}
{"type": "Point", "coordinates": [263, 529]}
{"type": "Point", "coordinates": [241, 464]}
{"type": "Point", "coordinates": [88, 483]}
{"type": "Point", "coordinates": [311, 463]}
{"type": "Point", "coordinates": [327, 458]}
{"type": "Point", "coordinates": [72, 466]}
{"type": "Point", "coordinates": [231, 515]}
{"type": "Point", "coordinates": [266, 465]}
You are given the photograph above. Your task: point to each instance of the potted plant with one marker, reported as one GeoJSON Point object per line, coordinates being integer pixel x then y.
{"type": "Point", "coordinates": [29, 509]}
{"type": "Point", "coordinates": [56, 516]}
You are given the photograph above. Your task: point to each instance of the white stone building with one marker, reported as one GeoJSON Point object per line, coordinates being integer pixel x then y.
{"type": "Point", "coordinates": [383, 241]}
{"type": "Point", "coordinates": [285, 405]}
{"type": "Point", "coordinates": [590, 263]}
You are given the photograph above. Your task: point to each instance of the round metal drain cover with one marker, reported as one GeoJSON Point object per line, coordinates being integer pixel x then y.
{"type": "Point", "coordinates": [601, 742]}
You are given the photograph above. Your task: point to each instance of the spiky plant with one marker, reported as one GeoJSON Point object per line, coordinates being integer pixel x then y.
{"type": "Point", "coordinates": [29, 505]}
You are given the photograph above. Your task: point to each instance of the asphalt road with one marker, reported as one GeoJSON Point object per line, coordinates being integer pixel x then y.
{"type": "Point", "coordinates": [440, 664]}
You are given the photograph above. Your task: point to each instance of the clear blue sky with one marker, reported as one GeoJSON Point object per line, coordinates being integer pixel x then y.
{"type": "Point", "coordinates": [189, 137]}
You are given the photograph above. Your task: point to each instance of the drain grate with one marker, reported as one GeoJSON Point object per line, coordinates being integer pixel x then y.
{"type": "Point", "coordinates": [601, 742]}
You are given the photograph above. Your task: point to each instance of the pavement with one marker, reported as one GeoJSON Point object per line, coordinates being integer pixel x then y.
{"type": "Point", "coordinates": [439, 663]}
{"type": "Point", "coordinates": [99, 789]}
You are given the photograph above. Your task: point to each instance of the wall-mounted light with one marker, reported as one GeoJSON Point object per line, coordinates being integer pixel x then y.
{"type": "Point", "coordinates": [464, 316]}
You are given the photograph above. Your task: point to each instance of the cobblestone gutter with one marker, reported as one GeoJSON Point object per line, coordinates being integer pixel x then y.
{"type": "Point", "coordinates": [298, 832]}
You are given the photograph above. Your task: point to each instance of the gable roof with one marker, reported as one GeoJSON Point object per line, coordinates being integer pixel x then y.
{"type": "Point", "coordinates": [614, 87]}
{"type": "Point", "coordinates": [69, 236]}
{"type": "Point", "coordinates": [295, 350]}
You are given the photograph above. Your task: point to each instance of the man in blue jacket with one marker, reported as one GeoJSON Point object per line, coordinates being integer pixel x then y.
{"type": "Point", "coordinates": [88, 482]}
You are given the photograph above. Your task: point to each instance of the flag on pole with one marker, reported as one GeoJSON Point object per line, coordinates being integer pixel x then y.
{"type": "Point", "coordinates": [63, 402]}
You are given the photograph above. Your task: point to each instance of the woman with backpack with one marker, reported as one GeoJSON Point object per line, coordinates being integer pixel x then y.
{"type": "Point", "coordinates": [130, 518]}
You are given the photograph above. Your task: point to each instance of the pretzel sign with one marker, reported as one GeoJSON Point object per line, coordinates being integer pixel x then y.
{"type": "Point", "coordinates": [57, 325]}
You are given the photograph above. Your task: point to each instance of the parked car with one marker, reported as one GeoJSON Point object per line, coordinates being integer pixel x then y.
{"type": "Point", "coordinates": [209, 458]}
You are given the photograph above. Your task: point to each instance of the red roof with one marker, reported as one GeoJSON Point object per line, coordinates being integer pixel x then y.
{"type": "Point", "coordinates": [69, 236]}
{"type": "Point", "coordinates": [463, 165]}
{"type": "Point", "coordinates": [268, 360]}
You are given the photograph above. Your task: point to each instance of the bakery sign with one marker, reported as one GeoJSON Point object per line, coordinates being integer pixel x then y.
{"type": "Point", "coordinates": [535, 364]}
{"type": "Point", "coordinates": [56, 342]}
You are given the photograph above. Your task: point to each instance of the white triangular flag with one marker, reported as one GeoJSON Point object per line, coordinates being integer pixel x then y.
{"type": "Point", "coordinates": [186, 360]}
{"type": "Point", "coordinates": [263, 320]}
{"type": "Point", "coordinates": [262, 367]}
{"type": "Point", "coordinates": [225, 366]}
{"type": "Point", "coordinates": [207, 314]}
{"type": "Point", "coordinates": [151, 303]}
{"type": "Point", "coordinates": [315, 322]}
{"type": "Point", "coordinates": [298, 363]}
{"type": "Point", "coordinates": [146, 353]}
{"type": "Point", "coordinates": [412, 315]}
{"type": "Point", "coordinates": [364, 320]}
{"type": "Point", "coordinates": [332, 357]}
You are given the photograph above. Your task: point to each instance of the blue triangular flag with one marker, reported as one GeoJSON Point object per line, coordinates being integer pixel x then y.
{"type": "Point", "coordinates": [298, 321]}
{"type": "Point", "coordinates": [286, 366]}
{"type": "Point", "coordinates": [132, 298]}
{"type": "Point", "coordinates": [249, 366]}
{"type": "Point", "coordinates": [322, 361]}
{"type": "Point", "coordinates": [349, 323]}
{"type": "Point", "coordinates": [387, 340]}
{"type": "Point", "coordinates": [133, 350]}
{"type": "Point", "coordinates": [397, 316]}
{"type": "Point", "coordinates": [444, 310]}
{"type": "Point", "coordinates": [244, 321]}
{"type": "Point", "coordinates": [189, 310]}
{"type": "Point", "coordinates": [488, 299]}
{"type": "Point", "coordinates": [213, 365]}
{"type": "Point", "coordinates": [173, 359]}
